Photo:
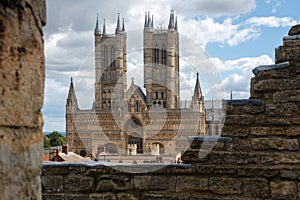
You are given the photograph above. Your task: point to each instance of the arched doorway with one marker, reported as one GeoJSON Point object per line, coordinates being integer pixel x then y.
{"type": "Point", "coordinates": [161, 147]}
{"type": "Point", "coordinates": [135, 138]}
{"type": "Point", "coordinates": [134, 133]}
{"type": "Point", "coordinates": [111, 148]}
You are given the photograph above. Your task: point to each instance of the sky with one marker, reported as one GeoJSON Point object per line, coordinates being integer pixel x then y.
{"type": "Point", "coordinates": [223, 40]}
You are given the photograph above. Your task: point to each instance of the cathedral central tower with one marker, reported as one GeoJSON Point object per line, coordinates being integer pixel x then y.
{"type": "Point", "coordinates": [161, 63]}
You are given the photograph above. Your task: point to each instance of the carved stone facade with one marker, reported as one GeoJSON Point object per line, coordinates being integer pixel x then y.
{"type": "Point", "coordinates": [123, 118]}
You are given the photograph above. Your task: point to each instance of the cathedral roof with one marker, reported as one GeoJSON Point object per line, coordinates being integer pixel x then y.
{"type": "Point", "coordinates": [133, 87]}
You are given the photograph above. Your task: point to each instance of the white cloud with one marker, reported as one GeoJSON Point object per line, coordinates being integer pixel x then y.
{"type": "Point", "coordinates": [69, 45]}
{"type": "Point", "coordinates": [240, 73]}
{"type": "Point", "coordinates": [272, 21]}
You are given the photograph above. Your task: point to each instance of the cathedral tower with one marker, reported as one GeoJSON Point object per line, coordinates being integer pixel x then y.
{"type": "Point", "coordinates": [110, 64]}
{"type": "Point", "coordinates": [161, 63]}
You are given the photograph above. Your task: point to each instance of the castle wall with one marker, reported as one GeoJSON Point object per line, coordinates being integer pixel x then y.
{"type": "Point", "coordinates": [21, 98]}
{"type": "Point", "coordinates": [261, 162]}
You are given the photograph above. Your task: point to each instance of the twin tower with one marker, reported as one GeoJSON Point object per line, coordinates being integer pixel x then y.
{"type": "Point", "coordinates": [161, 65]}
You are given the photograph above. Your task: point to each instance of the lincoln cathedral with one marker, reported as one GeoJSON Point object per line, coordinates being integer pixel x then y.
{"type": "Point", "coordinates": [126, 119]}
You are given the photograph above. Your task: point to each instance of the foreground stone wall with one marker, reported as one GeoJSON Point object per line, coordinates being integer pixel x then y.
{"type": "Point", "coordinates": [21, 97]}
{"type": "Point", "coordinates": [261, 162]}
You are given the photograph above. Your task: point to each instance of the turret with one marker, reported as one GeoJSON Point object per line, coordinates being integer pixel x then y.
{"type": "Point", "coordinates": [123, 26]}
{"type": "Point", "coordinates": [118, 28]}
{"type": "Point", "coordinates": [171, 20]}
{"type": "Point", "coordinates": [197, 103]}
{"type": "Point", "coordinates": [176, 28]}
{"type": "Point", "coordinates": [72, 104]}
{"type": "Point", "coordinates": [97, 29]}
{"type": "Point", "coordinates": [104, 28]}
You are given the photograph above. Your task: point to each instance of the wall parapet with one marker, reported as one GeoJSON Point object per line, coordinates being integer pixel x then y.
{"type": "Point", "coordinates": [270, 67]}
{"type": "Point", "coordinates": [256, 157]}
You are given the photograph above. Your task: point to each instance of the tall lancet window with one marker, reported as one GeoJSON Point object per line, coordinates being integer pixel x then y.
{"type": "Point", "coordinates": [155, 55]}
{"type": "Point", "coordinates": [105, 58]}
{"type": "Point", "coordinates": [112, 58]}
{"type": "Point", "coordinates": [164, 55]}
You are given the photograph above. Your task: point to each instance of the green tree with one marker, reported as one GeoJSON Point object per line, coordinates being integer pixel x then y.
{"type": "Point", "coordinates": [60, 141]}
{"type": "Point", "coordinates": [46, 142]}
{"type": "Point", "coordinates": [56, 139]}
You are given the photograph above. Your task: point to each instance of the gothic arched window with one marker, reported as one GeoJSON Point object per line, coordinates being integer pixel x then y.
{"type": "Point", "coordinates": [105, 58]}
{"type": "Point", "coordinates": [155, 55]}
{"type": "Point", "coordinates": [136, 106]}
{"type": "Point", "coordinates": [112, 58]}
{"type": "Point", "coordinates": [164, 55]}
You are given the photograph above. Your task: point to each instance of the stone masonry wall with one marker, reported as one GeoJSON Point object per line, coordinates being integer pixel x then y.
{"type": "Point", "coordinates": [21, 97]}
{"type": "Point", "coordinates": [261, 162]}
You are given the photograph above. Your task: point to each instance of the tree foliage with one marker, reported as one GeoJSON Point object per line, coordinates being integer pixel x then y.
{"type": "Point", "coordinates": [55, 139]}
{"type": "Point", "coordinates": [46, 142]}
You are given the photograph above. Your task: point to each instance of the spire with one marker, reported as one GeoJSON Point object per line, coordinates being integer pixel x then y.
{"type": "Point", "coordinates": [97, 29]}
{"type": "Point", "coordinates": [118, 28]}
{"type": "Point", "coordinates": [197, 102]}
{"type": "Point", "coordinates": [171, 21]}
{"type": "Point", "coordinates": [197, 91]}
{"type": "Point", "coordinates": [176, 29]}
{"type": "Point", "coordinates": [149, 20]}
{"type": "Point", "coordinates": [146, 21]}
{"type": "Point", "coordinates": [212, 110]}
{"type": "Point", "coordinates": [104, 29]}
{"type": "Point", "coordinates": [123, 25]}
{"type": "Point", "coordinates": [230, 94]}
{"type": "Point", "coordinates": [152, 22]}
{"type": "Point", "coordinates": [72, 100]}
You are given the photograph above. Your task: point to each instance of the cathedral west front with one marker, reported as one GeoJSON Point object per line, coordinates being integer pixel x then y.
{"type": "Point", "coordinates": [125, 120]}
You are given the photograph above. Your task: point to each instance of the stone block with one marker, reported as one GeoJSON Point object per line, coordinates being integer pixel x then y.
{"type": "Point", "coordinates": [57, 171]}
{"type": "Point", "coordinates": [276, 143]}
{"type": "Point", "coordinates": [257, 171]}
{"type": "Point", "coordinates": [290, 173]}
{"type": "Point", "coordinates": [272, 158]}
{"type": "Point", "coordinates": [22, 63]}
{"type": "Point", "coordinates": [126, 196]}
{"type": "Point", "coordinates": [53, 184]}
{"type": "Point", "coordinates": [235, 131]}
{"type": "Point", "coordinates": [283, 190]}
{"type": "Point", "coordinates": [286, 109]}
{"type": "Point", "coordinates": [286, 96]}
{"type": "Point", "coordinates": [105, 195]}
{"type": "Point", "coordinates": [240, 120]}
{"type": "Point", "coordinates": [276, 85]}
{"type": "Point", "coordinates": [273, 121]}
{"type": "Point", "coordinates": [221, 157]}
{"type": "Point", "coordinates": [191, 183]}
{"type": "Point", "coordinates": [266, 131]}
{"type": "Point", "coordinates": [240, 145]}
{"type": "Point", "coordinates": [114, 183]}
{"type": "Point", "coordinates": [256, 188]}
{"type": "Point", "coordinates": [77, 196]}
{"type": "Point", "coordinates": [222, 185]}
{"type": "Point", "coordinates": [51, 196]}
{"type": "Point", "coordinates": [150, 182]}
{"type": "Point", "coordinates": [295, 30]}
{"type": "Point", "coordinates": [78, 183]}
{"type": "Point", "coordinates": [293, 131]}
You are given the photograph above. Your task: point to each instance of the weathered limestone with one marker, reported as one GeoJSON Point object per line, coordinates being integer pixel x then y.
{"type": "Point", "coordinates": [260, 161]}
{"type": "Point", "coordinates": [21, 97]}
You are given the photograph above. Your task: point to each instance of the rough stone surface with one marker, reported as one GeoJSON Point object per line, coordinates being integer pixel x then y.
{"type": "Point", "coordinates": [261, 161]}
{"type": "Point", "coordinates": [21, 98]}
{"type": "Point", "coordinates": [277, 143]}
{"type": "Point", "coordinates": [295, 30]}
{"type": "Point", "coordinates": [283, 190]}
{"type": "Point", "coordinates": [225, 185]}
